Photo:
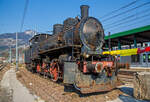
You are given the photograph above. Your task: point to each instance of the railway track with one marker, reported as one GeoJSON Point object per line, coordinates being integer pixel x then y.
{"type": "Point", "coordinates": [127, 75]}
{"type": "Point", "coordinates": [3, 68]}
{"type": "Point", "coordinates": [2, 65]}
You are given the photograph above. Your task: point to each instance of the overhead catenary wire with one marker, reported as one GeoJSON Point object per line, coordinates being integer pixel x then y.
{"type": "Point", "coordinates": [139, 6]}
{"type": "Point", "coordinates": [131, 24]}
{"type": "Point", "coordinates": [24, 14]}
{"type": "Point", "coordinates": [126, 18]}
{"type": "Point", "coordinates": [134, 19]}
{"type": "Point", "coordinates": [123, 7]}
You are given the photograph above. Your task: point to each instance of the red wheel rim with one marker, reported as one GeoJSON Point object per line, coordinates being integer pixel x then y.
{"type": "Point", "coordinates": [54, 71]}
{"type": "Point", "coordinates": [44, 67]}
{"type": "Point", "coordinates": [38, 68]}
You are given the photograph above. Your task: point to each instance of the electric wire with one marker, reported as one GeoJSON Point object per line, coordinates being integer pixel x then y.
{"type": "Point", "coordinates": [129, 26]}
{"type": "Point", "coordinates": [134, 19]}
{"type": "Point", "coordinates": [126, 18]}
{"type": "Point", "coordinates": [24, 14]}
{"type": "Point", "coordinates": [146, 19]}
{"type": "Point", "coordinates": [123, 7]}
{"type": "Point", "coordinates": [144, 4]}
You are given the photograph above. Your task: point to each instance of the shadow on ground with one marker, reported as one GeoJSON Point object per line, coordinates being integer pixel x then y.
{"type": "Point", "coordinates": [130, 97]}
{"type": "Point", "coordinates": [72, 89]}
{"type": "Point", "coordinates": [127, 90]}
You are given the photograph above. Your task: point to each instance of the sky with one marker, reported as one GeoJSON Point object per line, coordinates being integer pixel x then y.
{"type": "Point", "coordinates": [41, 15]}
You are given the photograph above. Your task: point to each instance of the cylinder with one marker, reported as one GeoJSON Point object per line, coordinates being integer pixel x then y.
{"type": "Point", "coordinates": [84, 11]}
{"type": "Point", "coordinates": [57, 28]}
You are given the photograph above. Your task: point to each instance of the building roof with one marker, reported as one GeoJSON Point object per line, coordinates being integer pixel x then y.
{"type": "Point", "coordinates": [129, 32]}
{"type": "Point", "coordinates": [141, 34]}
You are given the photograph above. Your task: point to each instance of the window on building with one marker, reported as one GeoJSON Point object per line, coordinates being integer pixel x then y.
{"type": "Point", "coordinates": [144, 57]}
{"type": "Point", "coordinates": [148, 57]}
{"type": "Point", "coordinates": [138, 45]}
{"type": "Point", "coordinates": [135, 58]}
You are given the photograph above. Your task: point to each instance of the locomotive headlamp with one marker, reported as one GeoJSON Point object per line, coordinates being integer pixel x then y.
{"type": "Point", "coordinates": [87, 55]}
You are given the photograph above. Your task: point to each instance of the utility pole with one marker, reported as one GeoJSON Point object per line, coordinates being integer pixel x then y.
{"type": "Point", "coordinates": [10, 55]}
{"type": "Point", "coordinates": [35, 30]}
{"type": "Point", "coordinates": [34, 33]}
{"type": "Point", "coordinates": [109, 42]}
{"type": "Point", "coordinates": [22, 23]}
{"type": "Point", "coordinates": [16, 51]}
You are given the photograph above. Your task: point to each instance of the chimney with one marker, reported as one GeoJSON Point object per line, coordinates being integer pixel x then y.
{"type": "Point", "coordinates": [57, 28]}
{"type": "Point", "coordinates": [84, 11]}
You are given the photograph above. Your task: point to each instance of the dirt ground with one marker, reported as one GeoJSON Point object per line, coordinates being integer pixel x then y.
{"type": "Point", "coordinates": [54, 92]}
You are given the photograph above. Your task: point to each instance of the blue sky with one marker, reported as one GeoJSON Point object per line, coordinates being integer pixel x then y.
{"type": "Point", "coordinates": [42, 14]}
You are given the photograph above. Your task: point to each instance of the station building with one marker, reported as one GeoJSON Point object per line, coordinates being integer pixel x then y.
{"type": "Point", "coordinates": [138, 38]}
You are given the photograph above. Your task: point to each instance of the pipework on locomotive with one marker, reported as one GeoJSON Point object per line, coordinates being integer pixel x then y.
{"type": "Point", "coordinates": [73, 54]}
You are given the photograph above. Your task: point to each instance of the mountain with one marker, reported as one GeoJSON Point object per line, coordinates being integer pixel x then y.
{"type": "Point", "coordinates": [9, 39]}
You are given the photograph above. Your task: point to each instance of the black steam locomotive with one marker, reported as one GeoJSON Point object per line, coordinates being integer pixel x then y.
{"type": "Point", "coordinates": [73, 54]}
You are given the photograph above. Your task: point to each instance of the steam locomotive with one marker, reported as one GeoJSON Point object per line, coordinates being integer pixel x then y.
{"type": "Point", "coordinates": [73, 54]}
